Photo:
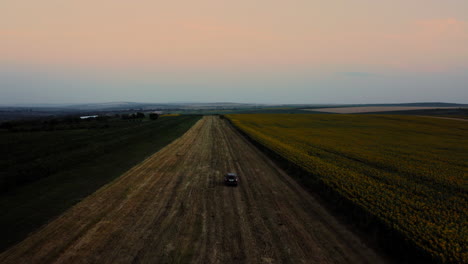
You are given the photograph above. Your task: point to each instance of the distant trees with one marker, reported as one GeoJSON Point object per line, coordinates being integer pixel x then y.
{"type": "Point", "coordinates": [103, 118]}
{"type": "Point", "coordinates": [138, 115]}
{"type": "Point", "coordinates": [56, 123]}
{"type": "Point", "coordinates": [6, 125]}
{"type": "Point", "coordinates": [153, 116]}
{"type": "Point", "coordinates": [71, 119]}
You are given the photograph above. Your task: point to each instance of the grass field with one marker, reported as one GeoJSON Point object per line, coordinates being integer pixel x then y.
{"type": "Point", "coordinates": [410, 172]}
{"type": "Point", "coordinates": [45, 172]}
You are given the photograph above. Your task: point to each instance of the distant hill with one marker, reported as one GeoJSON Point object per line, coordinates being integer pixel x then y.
{"type": "Point", "coordinates": [418, 104]}
{"type": "Point", "coordinates": [453, 112]}
{"type": "Point", "coordinates": [143, 106]}
{"type": "Point", "coordinates": [24, 111]}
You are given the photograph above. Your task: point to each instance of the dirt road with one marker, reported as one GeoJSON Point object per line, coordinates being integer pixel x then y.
{"type": "Point", "coordinates": [174, 208]}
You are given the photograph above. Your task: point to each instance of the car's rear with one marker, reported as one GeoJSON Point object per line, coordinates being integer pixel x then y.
{"type": "Point", "coordinates": [231, 179]}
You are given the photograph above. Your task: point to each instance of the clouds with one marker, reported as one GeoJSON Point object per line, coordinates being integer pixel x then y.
{"type": "Point", "coordinates": [446, 28]}
{"type": "Point", "coordinates": [434, 45]}
{"type": "Point", "coordinates": [443, 26]}
{"type": "Point", "coordinates": [359, 74]}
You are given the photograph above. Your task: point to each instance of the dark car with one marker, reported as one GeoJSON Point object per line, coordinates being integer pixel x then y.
{"type": "Point", "coordinates": [231, 179]}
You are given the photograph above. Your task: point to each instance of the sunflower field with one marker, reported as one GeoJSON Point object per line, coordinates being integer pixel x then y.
{"type": "Point", "coordinates": [410, 172]}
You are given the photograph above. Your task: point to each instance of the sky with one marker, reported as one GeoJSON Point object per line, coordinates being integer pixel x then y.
{"type": "Point", "coordinates": [262, 51]}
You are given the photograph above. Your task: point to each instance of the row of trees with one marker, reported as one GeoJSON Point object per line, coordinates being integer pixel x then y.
{"type": "Point", "coordinates": [70, 122]}
{"type": "Point", "coordinates": [55, 123]}
{"type": "Point", "coordinates": [139, 115]}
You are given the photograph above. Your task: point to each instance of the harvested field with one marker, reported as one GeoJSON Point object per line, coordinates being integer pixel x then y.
{"type": "Point", "coordinates": [173, 208]}
{"type": "Point", "coordinates": [374, 109]}
{"type": "Point", "coordinates": [62, 167]}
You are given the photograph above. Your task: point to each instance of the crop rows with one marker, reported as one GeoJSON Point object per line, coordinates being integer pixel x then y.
{"type": "Point", "coordinates": [410, 172]}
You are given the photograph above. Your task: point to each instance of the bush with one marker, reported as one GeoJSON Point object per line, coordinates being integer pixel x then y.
{"type": "Point", "coordinates": [153, 116]}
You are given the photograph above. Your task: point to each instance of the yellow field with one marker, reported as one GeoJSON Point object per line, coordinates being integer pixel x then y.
{"type": "Point", "coordinates": [411, 172]}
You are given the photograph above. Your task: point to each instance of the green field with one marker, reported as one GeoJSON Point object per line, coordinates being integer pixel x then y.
{"type": "Point", "coordinates": [44, 171]}
{"type": "Point", "coordinates": [409, 172]}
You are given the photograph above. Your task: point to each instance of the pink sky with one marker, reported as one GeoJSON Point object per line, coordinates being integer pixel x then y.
{"type": "Point", "coordinates": [255, 36]}
{"type": "Point", "coordinates": [215, 34]}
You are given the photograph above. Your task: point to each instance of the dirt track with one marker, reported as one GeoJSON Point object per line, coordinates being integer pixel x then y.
{"type": "Point", "coordinates": [174, 208]}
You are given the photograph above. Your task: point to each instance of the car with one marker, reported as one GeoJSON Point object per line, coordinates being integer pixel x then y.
{"type": "Point", "coordinates": [231, 179]}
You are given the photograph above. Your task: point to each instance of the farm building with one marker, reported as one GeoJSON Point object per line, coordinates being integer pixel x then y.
{"type": "Point", "coordinates": [87, 117]}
